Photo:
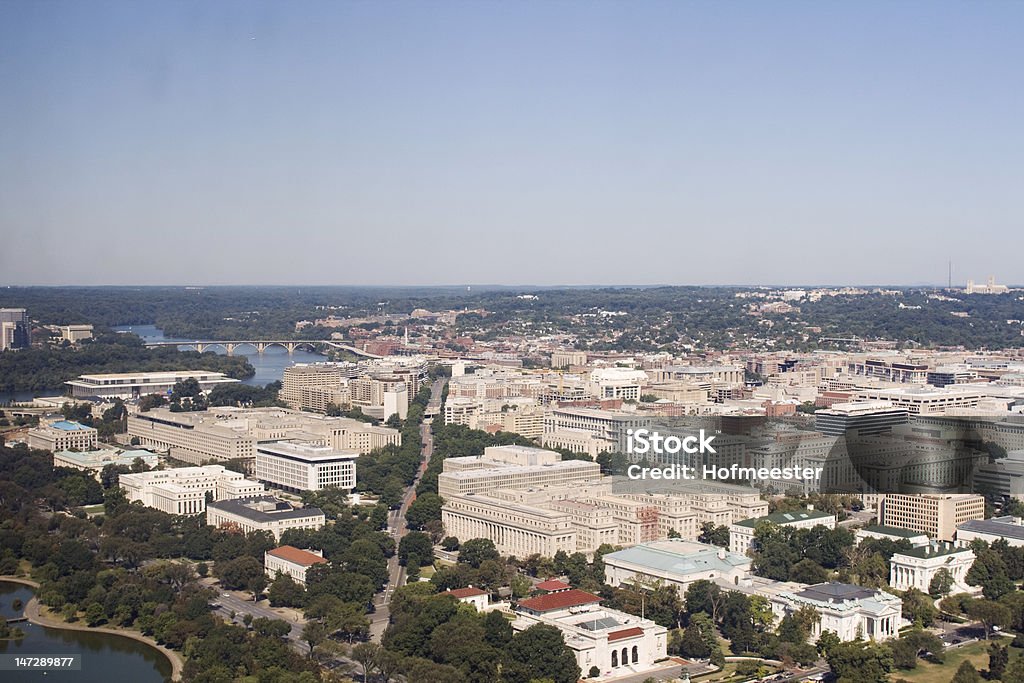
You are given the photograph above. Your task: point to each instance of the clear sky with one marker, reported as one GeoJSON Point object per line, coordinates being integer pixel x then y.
{"type": "Point", "coordinates": [510, 142]}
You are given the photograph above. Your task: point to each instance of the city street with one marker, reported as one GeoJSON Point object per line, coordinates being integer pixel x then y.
{"type": "Point", "coordinates": [396, 520]}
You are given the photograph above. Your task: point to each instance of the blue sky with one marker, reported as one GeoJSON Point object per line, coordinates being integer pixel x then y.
{"type": "Point", "coordinates": [510, 142]}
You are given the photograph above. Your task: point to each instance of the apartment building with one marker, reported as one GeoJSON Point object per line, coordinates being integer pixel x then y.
{"type": "Point", "coordinates": [937, 515]}
{"type": "Point", "coordinates": [62, 435]}
{"type": "Point", "coordinates": [568, 359]}
{"type": "Point", "coordinates": [305, 467]}
{"type": "Point", "coordinates": [263, 513]}
{"type": "Point", "coordinates": [311, 376]}
{"type": "Point", "coordinates": [184, 490]}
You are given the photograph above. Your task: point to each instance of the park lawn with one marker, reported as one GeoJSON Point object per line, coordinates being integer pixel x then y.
{"type": "Point", "coordinates": [427, 572]}
{"type": "Point", "coordinates": [97, 509]}
{"type": "Point", "coordinates": [728, 671]}
{"type": "Point", "coordinates": [975, 653]}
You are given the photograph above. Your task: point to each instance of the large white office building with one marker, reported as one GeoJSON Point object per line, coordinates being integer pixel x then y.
{"type": "Point", "coordinates": [512, 467]}
{"type": "Point", "coordinates": [305, 467]}
{"type": "Point", "coordinates": [263, 513]}
{"type": "Point", "coordinates": [183, 490]}
{"type": "Point", "coordinates": [135, 384]}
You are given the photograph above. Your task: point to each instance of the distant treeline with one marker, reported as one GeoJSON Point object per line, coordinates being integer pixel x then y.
{"type": "Point", "coordinates": [612, 318]}
{"type": "Point", "coordinates": [46, 369]}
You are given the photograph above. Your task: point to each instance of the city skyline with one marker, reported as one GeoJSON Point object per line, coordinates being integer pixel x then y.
{"type": "Point", "coordinates": [527, 145]}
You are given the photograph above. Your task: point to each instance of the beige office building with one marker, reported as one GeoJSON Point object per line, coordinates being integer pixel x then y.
{"type": "Point", "coordinates": [937, 515]}
{"type": "Point", "coordinates": [62, 435]}
{"type": "Point", "coordinates": [502, 476]}
{"type": "Point", "coordinates": [196, 438]}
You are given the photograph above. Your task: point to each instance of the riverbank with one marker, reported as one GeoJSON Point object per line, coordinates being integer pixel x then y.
{"type": "Point", "coordinates": [39, 614]}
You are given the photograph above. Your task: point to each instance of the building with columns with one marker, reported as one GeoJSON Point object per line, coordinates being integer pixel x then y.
{"type": "Point", "coordinates": [852, 612]}
{"type": "Point", "coordinates": [615, 642]}
{"type": "Point", "coordinates": [917, 567]}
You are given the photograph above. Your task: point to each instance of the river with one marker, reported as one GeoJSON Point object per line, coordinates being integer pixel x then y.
{"type": "Point", "coordinates": [269, 365]}
{"type": "Point", "coordinates": [105, 657]}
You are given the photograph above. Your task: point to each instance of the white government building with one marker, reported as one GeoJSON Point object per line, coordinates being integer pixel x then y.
{"type": "Point", "coordinates": [917, 567]}
{"type": "Point", "coordinates": [305, 467]}
{"type": "Point", "coordinates": [263, 513]}
{"type": "Point", "coordinates": [183, 490]}
{"type": "Point", "coordinates": [615, 642]}
{"type": "Point", "coordinates": [128, 385]}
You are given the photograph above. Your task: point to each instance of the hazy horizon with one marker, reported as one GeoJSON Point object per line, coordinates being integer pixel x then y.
{"type": "Point", "coordinates": [551, 144]}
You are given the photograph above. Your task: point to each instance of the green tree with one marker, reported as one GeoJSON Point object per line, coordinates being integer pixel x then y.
{"type": "Point", "coordinates": [714, 535]}
{"type": "Point", "coordinates": [286, 592]}
{"type": "Point", "coordinates": [989, 613]}
{"type": "Point", "coordinates": [425, 508]}
{"type": "Point", "coordinates": [477, 550]}
{"type": "Point", "coordinates": [860, 662]}
{"type": "Point", "coordinates": [1014, 671]}
{"type": "Point", "coordinates": [366, 654]}
{"type": "Point", "coordinates": [940, 584]}
{"type": "Point", "coordinates": [314, 633]}
{"type": "Point", "coordinates": [966, 674]}
{"type": "Point", "coordinates": [418, 544]}
{"type": "Point", "coordinates": [990, 572]}
{"type": "Point", "coordinates": [240, 573]}
{"type": "Point", "coordinates": [998, 657]}
{"type": "Point", "coordinates": [539, 652]}
{"type": "Point", "coordinates": [919, 608]}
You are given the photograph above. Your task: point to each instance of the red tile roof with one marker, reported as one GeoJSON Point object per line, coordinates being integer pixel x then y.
{"type": "Point", "coordinates": [466, 592]}
{"type": "Point", "coordinates": [296, 556]}
{"type": "Point", "coordinates": [553, 585]}
{"type": "Point", "coordinates": [625, 633]}
{"type": "Point", "coordinates": [560, 600]}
